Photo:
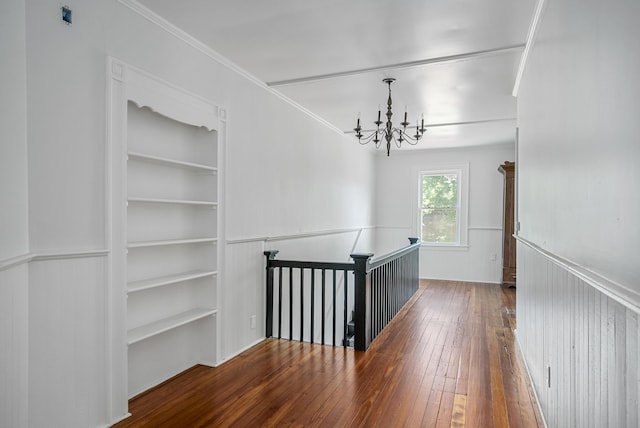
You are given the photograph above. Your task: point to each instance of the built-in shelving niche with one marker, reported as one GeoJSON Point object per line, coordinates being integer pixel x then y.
{"type": "Point", "coordinates": [172, 222]}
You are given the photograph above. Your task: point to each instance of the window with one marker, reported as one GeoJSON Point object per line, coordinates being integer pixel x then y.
{"type": "Point", "coordinates": [440, 213]}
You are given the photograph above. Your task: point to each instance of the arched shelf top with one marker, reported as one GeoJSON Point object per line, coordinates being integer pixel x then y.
{"type": "Point", "coordinates": [146, 90]}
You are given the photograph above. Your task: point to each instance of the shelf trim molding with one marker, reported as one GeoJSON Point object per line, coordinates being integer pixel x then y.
{"type": "Point", "coordinates": [171, 201]}
{"type": "Point", "coordinates": [143, 244]}
{"type": "Point", "coordinates": [146, 331]}
{"type": "Point", "coordinates": [172, 162]}
{"type": "Point", "coordinates": [146, 284]}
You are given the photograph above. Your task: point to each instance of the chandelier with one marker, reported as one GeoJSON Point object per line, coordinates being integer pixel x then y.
{"type": "Point", "coordinates": [389, 133]}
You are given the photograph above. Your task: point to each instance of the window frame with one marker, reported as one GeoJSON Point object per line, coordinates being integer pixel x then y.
{"type": "Point", "coordinates": [462, 173]}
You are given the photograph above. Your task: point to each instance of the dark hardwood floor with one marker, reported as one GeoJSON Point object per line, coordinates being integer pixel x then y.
{"type": "Point", "coordinates": [448, 359]}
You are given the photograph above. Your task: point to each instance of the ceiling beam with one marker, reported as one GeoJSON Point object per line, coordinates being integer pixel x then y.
{"type": "Point", "coordinates": [407, 64]}
{"type": "Point", "coordinates": [435, 125]}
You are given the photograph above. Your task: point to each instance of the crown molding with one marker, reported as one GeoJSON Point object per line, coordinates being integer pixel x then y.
{"type": "Point", "coordinates": [531, 38]}
{"type": "Point", "coordinates": [170, 28]}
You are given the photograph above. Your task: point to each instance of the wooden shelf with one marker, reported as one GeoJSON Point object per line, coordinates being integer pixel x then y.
{"type": "Point", "coordinates": [142, 244]}
{"type": "Point", "coordinates": [146, 284]}
{"type": "Point", "coordinates": [171, 162]}
{"type": "Point", "coordinates": [172, 201]}
{"type": "Point", "coordinates": [149, 330]}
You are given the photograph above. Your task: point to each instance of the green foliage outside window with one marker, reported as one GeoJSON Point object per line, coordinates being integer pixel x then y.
{"type": "Point", "coordinates": [439, 210]}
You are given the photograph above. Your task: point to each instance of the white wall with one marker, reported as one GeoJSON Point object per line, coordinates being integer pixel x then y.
{"type": "Point", "coordinates": [14, 237]}
{"type": "Point", "coordinates": [578, 175]}
{"type": "Point", "coordinates": [578, 118]}
{"type": "Point", "coordinates": [13, 133]}
{"type": "Point", "coordinates": [286, 174]}
{"type": "Point", "coordinates": [397, 195]}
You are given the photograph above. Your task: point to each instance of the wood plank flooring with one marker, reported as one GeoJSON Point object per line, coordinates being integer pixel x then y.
{"type": "Point", "coordinates": [448, 359]}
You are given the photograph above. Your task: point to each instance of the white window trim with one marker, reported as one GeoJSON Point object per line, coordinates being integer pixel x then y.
{"type": "Point", "coordinates": [462, 170]}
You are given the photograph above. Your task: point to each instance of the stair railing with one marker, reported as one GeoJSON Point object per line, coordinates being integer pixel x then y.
{"type": "Point", "coordinates": [378, 290]}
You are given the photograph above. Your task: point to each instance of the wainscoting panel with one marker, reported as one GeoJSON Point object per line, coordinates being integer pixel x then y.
{"type": "Point", "coordinates": [580, 344]}
{"type": "Point", "coordinates": [14, 336]}
{"type": "Point", "coordinates": [67, 342]}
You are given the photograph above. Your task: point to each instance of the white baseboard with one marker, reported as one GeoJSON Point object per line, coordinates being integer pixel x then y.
{"type": "Point", "coordinates": [235, 354]}
{"type": "Point", "coordinates": [115, 421]}
{"type": "Point", "coordinates": [526, 366]}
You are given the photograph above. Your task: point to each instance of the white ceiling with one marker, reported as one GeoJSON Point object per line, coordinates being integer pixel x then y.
{"type": "Point", "coordinates": [454, 61]}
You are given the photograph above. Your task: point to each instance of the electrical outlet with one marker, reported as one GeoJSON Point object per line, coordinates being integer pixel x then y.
{"type": "Point", "coordinates": [493, 257]}
{"type": "Point", "coordinates": [252, 321]}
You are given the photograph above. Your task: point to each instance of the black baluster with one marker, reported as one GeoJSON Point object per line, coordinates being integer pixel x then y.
{"type": "Point", "coordinates": [323, 306]}
{"type": "Point", "coordinates": [301, 304]}
{"type": "Point", "coordinates": [313, 295]}
{"type": "Point", "coordinates": [344, 274]}
{"type": "Point", "coordinates": [290, 303]}
{"type": "Point", "coordinates": [334, 307]}
{"type": "Point", "coordinates": [280, 303]}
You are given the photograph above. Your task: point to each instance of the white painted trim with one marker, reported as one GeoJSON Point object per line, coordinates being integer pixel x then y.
{"type": "Point", "coordinates": [526, 367]}
{"type": "Point", "coordinates": [53, 255]}
{"type": "Point", "coordinates": [65, 255]}
{"type": "Point", "coordinates": [391, 227]}
{"type": "Point", "coordinates": [251, 345]}
{"type": "Point", "coordinates": [531, 38]}
{"type": "Point", "coordinates": [436, 247]}
{"type": "Point", "coordinates": [297, 235]}
{"type": "Point", "coordinates": [115, 421]}
{"type": "Point", "coordinates": [471, 281]}
{"type": "Point", "coordinates": [618, 292]}
{"type": "Point", "coordinates": [206, 50]}
{"type": "Point", "coordinates": [115, 70]}
{"type": "Point", "coordinates": [484, 228]}
{"type": "Point", "coordinates": [147, 90]}
{"type": "Point", "coordinates": [15, 261]}
{"type": "Point", "coordinates": [401, 65]}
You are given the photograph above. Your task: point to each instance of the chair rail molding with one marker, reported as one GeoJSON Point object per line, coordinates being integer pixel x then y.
{"type": "Point", "coordinates": [618, 292]}
{"type": "Point", "coordinates": [311, 234]}
{"type": "Point", "coordinates": [51, 255]}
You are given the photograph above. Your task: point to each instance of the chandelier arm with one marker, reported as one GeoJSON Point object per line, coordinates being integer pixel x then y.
{"type": "Point", "coordinates": [410, 139]}
{"type": "Point", "coordinates": [368, 138]}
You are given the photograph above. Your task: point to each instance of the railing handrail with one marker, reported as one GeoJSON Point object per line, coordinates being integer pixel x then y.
{"type": "Point", "coordinates": [394, 254]}
{"type": "Point", "coordinates": [311, 264]}
{"type": "Point", "coordinates": [374, 262]}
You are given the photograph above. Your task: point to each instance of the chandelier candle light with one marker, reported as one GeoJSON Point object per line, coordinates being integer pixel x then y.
{"type": "Point", "coordinates": [389, 133]}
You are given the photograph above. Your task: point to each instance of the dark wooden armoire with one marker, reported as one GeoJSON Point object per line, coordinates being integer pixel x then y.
{"type": "Point", "coordinates": [508, 169]}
